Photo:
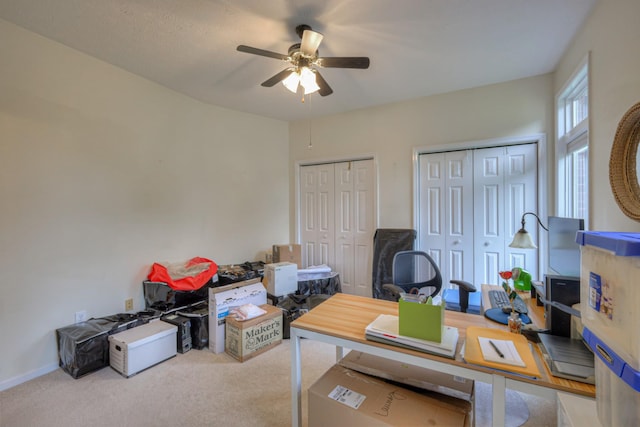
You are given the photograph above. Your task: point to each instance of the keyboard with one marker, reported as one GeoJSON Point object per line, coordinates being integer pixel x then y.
{"type": "Point", "coordinates": [499, 299]}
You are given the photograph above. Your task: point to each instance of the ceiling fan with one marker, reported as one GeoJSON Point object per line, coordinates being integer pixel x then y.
{"type": "Point", "coordinates": [304, 61]}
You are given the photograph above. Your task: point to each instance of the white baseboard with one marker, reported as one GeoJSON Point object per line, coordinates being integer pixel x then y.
{"type": "Point", "coordinates": [12, 382]}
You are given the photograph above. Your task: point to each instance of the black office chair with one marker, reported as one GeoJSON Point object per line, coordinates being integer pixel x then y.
{"type": "Point", "coordinates": [416, 272]}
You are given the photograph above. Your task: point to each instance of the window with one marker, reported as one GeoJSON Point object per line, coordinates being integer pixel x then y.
{"type": "Point", "coordinates": [572, 145]}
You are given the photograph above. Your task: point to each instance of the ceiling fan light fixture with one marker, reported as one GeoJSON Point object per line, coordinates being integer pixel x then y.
{"type": "Point", "coordinates": [292, 82]}
{"type": "Point", "coordinates": [308, 80]}
{"type": "Point", "coordinates": [303, 57]}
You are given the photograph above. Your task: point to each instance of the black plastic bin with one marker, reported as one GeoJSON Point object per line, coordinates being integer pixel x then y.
{"type": "Point", "coordinates": [198, 314]}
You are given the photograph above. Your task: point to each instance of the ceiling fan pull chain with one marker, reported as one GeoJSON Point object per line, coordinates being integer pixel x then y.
{"type": "Point", "coordinates": [310, 146]}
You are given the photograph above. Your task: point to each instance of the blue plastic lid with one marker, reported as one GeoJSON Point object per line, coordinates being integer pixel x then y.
{"type": "Point", "coordinates": [620, 243]}
{"type": "Point", "coordinates": [615, 363]}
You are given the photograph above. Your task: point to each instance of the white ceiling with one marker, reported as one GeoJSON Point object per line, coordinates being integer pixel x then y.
{"type": "Point", "coordinates": [417, 47]}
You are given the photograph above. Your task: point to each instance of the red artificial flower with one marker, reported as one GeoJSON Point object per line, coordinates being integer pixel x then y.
{"type": "Point", "coordinates": [506, 275]}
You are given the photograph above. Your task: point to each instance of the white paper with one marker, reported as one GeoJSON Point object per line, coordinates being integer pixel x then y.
{"type": "Point", "coordinates": [506, 347]}
{"type": "Point", "coordinates": [387, 326]}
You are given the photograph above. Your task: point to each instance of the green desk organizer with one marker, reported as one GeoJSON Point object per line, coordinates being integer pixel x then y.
{"type": "Point", "coordinates": [424, 321]}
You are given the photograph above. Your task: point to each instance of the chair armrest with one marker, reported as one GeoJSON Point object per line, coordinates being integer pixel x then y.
{"type": "Point", "coordinates": [466, 286]}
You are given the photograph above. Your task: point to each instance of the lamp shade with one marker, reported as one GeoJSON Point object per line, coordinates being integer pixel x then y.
{"type": "Point", "coordinates": [522, 240]}
{"type": "Point", "coordinates": [308, 81]}
{"type": "Point", "coordinates": [291, 82]}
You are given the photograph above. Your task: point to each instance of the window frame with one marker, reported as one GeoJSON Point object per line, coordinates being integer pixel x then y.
{"type": "Point", "coordinates": [572, 137]}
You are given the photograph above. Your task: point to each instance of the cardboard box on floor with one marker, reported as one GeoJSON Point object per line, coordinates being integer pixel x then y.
{"type": "Point", "coordinates": [349, 398]}
{"type": "Point", "coordinates": [281, 278]}
{"type": "Point", "coordinates": [224, 298]}
{"type": "Point", "coordinates": [427, 379]}
{"type": "Point", "coordinates": [249, 338]}
{"type": "Point", "coordinates": [287, 253]}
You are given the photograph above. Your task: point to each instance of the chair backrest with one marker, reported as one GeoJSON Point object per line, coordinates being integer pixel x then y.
{"type": "Point", "coordinates": [416, 270]}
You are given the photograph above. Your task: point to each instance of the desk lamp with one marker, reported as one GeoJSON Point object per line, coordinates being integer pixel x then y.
{"type": "Point", "coordinates": [522, 239]}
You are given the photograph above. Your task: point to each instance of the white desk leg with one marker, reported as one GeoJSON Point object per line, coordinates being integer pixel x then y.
{"type": "Point", "coordinates": [498, 405]}
{"type": "Point", "coordinates": [339, 353]}
{"type": "Point", "coordinates": [296, 380]}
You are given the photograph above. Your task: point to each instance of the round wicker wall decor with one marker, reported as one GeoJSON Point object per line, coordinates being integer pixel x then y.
{"type": "Point", "coordinates": [623, 174]}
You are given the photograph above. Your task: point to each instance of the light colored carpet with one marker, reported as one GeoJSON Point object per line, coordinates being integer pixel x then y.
{"type": "Point", "coordinates": [198, 388]}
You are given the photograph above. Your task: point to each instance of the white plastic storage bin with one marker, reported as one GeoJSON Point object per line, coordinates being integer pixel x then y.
{"type": "Point", "coordinates": [610, 290]}
{"type": "Point", "coordinates": [617, 385]}
{"type": "Point", "coordinates": [576, 411]}
{"type": "Point", "coordinates": [139, 348]}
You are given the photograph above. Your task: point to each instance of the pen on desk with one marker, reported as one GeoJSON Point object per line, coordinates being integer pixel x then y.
{"type": "Point", "coordinates": [495, 347]}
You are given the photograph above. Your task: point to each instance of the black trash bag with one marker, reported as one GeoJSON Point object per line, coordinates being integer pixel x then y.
{"type": "Point", "coordinates": [235, 273]}
{"type": "Point", "coordinates": [386, 243]}
{"type": "Point", "coordinates": [84, 347]}
{"type": "Point", "coordinates": [159, 296]}
{"type": "Point", "coordinates": [291, 310]}
{"type": "Point", "coordinates": [327, 284]}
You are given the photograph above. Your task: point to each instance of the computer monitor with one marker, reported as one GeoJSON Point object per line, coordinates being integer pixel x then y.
{"type": "Point", "coordinates": [564, 252]}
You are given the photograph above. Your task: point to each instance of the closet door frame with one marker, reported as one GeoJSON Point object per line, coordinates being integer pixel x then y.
{"type": "Point", "coordinates": [544, 189]}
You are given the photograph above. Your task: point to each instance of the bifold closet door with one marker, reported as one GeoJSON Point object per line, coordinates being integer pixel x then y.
{"type": "Point", "coordinates": [445, 229]}
{"type": "Point", "coordinates": [505, 187]}
{"type": "Point", "coordinates": [338, 220]}
{"type": "Point", "coordinates": [317, 214]}
{"type": "Point", "coordinates": [470, 203]}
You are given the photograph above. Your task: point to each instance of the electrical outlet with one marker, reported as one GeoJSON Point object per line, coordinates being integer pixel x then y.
{"type": "Point", "coordinates": [81, 316]}
{"type": "Point", "coordinates": [128, 304]}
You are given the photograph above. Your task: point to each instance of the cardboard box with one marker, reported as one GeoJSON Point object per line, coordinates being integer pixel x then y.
{"type": "Point", "coordinates": [427, 379]}
{"type": "Point", "coordinates": [142, 347]}
{"type": "Point", "coordinates": [281, 278]}
{"type": "Point", "coordinates": [249, 338]}
{"type": "Point", "coordinates": [224, 298]}
{"type": "Point", "coordinates": [287, 253]}
{"type": "Point", "coordinates": [424, 321]}
{"type": "Point", "coordinates": [343, 397]}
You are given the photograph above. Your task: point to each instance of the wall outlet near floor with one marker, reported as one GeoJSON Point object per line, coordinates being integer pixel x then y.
{"type": "Point", "coordinates": [128, 304]}
{"type": "Point", "coordinates": [81, 316]}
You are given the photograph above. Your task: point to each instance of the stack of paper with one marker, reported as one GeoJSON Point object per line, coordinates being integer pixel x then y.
{"type": "Point", "coordinates": [385, 329]}
{"type": "Point", "coordinates": [500, 349]}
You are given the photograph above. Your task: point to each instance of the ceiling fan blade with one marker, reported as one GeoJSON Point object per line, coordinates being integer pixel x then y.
{"type": "Point", "coordinates": [344, 62]}
{"type": "Point", "coordinates": [325, 89]}
{"type": "Point", "coordinates": [262, 52]}
{"type": "Point", "coordinates": [310, 42]}
{"type": "Point", "coordinates": [278, 77]}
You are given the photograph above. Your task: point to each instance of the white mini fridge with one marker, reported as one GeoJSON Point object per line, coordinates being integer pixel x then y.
{"type": "Point", "coordinates": [139, 348]}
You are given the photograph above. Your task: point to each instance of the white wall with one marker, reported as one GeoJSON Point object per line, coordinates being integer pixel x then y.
{"type": "Point", "coordinates": [390, 132]}
{"type": "Point", "coordinates": [103, 173]}
{"type": "Point", "coordinates": [611, 35]}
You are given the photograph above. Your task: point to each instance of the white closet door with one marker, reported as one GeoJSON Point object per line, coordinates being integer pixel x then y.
{"type": "Point", "coordinates": [459, 213]}
{"type": "Point", "coordinates": [317, 215]}
{"type": "Point", "coordinates": [338, 219]}
{"type": "Point", "coordinates": [354, 209]}
{"type": "Point", "coordinates": [446, 207]}
{"type": "Point", "coordinates": [505, 186]}
{"type": "Point", "coordinates": [522, 196]}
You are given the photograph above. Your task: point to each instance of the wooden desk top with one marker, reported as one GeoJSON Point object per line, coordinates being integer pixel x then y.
{"type": "Point", "coordinates": [346, 316]}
